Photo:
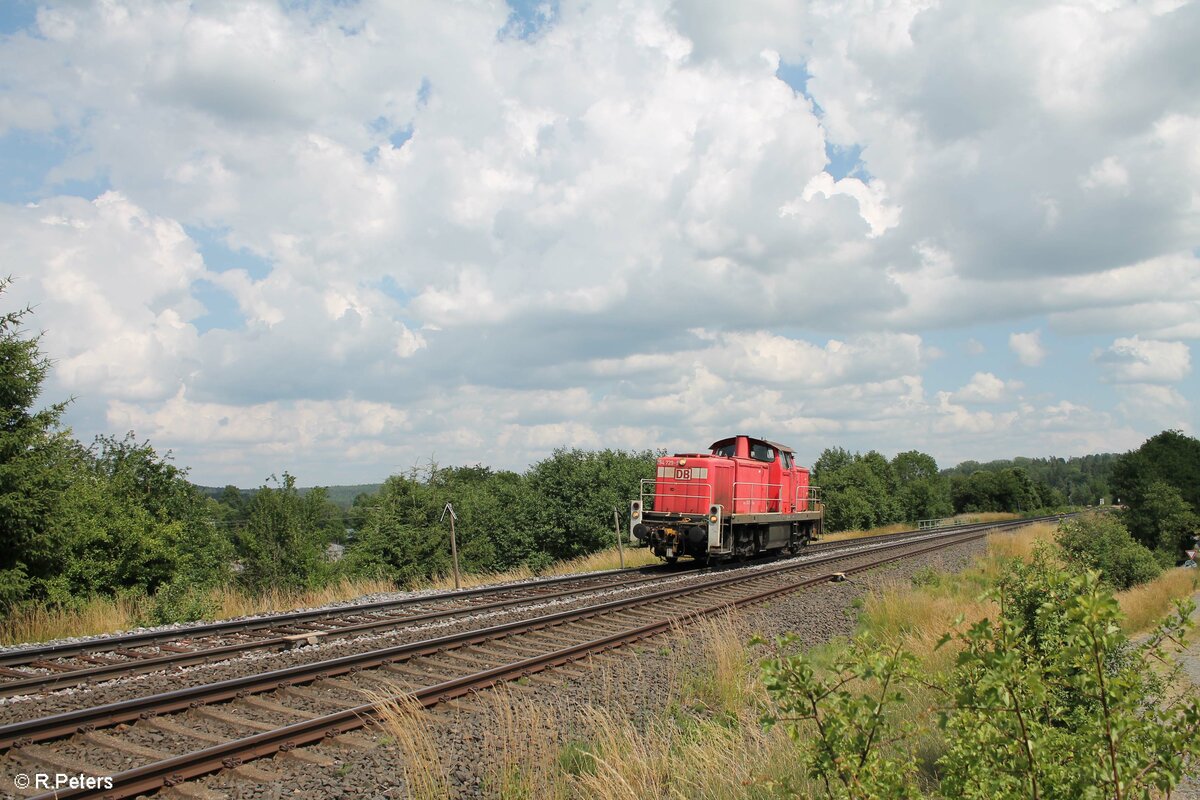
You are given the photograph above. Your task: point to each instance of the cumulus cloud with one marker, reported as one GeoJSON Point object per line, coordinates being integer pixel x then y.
{"type": "Point", "coordinates": [1148, 361]}
{"type": "Point", "coordinates": [621, 228]}
{"type": "Point", "coordinates": [1028, 347]}
{"type": "Point", "coordinates": [984, 387]}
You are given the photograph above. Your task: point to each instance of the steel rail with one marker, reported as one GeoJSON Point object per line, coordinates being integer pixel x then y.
{"type": "Point", "coordinates": [22, 656]}
{"type": "Point", "coordinates": [58, 680]}
{"type": "Point", "coordinates": [88, 719]}
{"type": "Point", "coordinates": [175, 770]}
{"type": "Point", "coordinates": [25, 655]}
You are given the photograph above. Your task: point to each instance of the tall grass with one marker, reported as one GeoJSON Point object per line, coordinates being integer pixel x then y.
{"type": "Point", "coordinates": [97, 615]}
{"type": "Point", "coordinates": [594, 562]}
{"type": "Point", "coordinates": [109, 614]}
{"type": "Point", "coordinates": [425, 773]}
{"type": "Point", "coordinates": [1144, 606]}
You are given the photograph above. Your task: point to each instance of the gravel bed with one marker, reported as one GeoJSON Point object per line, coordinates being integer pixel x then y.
{"type": "Point", "coordinates": [19, 708]}
{"type": "Point", "coordinates": [633, 679]}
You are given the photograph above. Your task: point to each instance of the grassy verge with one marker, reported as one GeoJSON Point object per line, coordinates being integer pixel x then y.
{"type": "Point", "coordinates": [595, 562]}
{"type": "Point", "coordinates": [109, 615]}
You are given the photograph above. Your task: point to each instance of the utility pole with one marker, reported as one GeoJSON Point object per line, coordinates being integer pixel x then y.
{"type": "Point", "coordinates": [453, 541]}
{"type": "Point", "coordinates": [617, 523]}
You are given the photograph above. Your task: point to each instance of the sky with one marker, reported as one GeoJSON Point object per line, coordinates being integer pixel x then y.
{"type": "Point", "coordinates": [346, 238]}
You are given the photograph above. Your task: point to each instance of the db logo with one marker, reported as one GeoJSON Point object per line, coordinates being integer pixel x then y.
{"type": "Point", "coordinates": [683, 474]}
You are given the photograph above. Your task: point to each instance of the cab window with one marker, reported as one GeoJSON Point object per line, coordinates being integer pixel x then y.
{"type": "Point", "coordinates": [725, 450]}
{"type": "Point", "coordinates": [762, 452]}
{"type": "Point", "coordinates": [787, 460]}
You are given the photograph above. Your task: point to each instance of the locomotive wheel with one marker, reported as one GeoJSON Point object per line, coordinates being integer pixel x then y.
{"type": "Point", "coordinates": [671, 559]}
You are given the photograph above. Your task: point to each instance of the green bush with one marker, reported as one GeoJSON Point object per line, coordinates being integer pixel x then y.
{"type": "Point", "coordinates": [1074, 711]}
{"type": "Point", "coordinates": [1101, 542]}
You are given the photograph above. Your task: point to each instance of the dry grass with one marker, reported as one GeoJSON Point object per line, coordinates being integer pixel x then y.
{"type": "Point", "coordinates": [1144, 606]}
{"type": "Point", "coordinates": [917, 612]}
{"type": "Point", "coordinates": [595, 562]}
{"type": "Point", "coordinates": [901, 527]}
{"type": "Point", "coordinates": [425, 775]}
{"type": "Point", "coordinates": [109, 615]}
{"type": "Point", "coordinates": [1021, 542]}
{"type": "Point", "coordinates": [98, 615]}
{"type": "Point", "coordinates": [917, 618]}
{"type": "Point", "coordinates": [231, 602]}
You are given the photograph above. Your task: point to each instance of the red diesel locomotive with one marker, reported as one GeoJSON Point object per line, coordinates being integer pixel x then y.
{"type": "Point", "coordinates": [745, 497]}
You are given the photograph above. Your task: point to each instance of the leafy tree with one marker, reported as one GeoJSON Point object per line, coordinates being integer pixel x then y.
{"type": "Point", "coordinates": [923, 493]}
{"type": "Point", "coordinates": [283, 543]}
{"type": "Point", "coordinates": [1078, 480]}
{"type": "Point", "coordinates": [1165, 519]}
{"type": "Point", "coordinates": [576, 492]}
{"type": "Point", "coordinates": [36, 460]}
{"type": "Point", "coordinates": [838, 718]}
{"type": "Point", "coordinates": [1143, 480]}
{"type": "Point", "coordinates": [399, 537]}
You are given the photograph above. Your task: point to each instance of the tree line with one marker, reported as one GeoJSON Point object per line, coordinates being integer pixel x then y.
{"type": "Point", "coordinates": [117, 518]}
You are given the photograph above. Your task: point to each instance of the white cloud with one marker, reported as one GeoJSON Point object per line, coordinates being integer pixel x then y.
{"type": "Point", "coordinates": [1147, 361]}
{"type": "Point", "coordinates": [1028, 347]}
{"type": "Point", "coordinates": [984, 387]}
{"type": "Point", "coordinates": [627, 214]}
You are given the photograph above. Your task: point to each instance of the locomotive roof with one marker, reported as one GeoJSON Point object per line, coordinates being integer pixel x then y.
{"type": "Point", "coordinates": [781, 447]}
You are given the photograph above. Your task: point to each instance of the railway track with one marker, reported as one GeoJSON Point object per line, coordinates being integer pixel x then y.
{"type": "Point", "coordinates": [58, 666]}
{"type": "Point", "coordinates": [150, 742]}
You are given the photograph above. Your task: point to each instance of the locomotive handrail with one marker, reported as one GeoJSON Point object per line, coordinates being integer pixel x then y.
{"type": "Point", "coordinates": [812, 495]}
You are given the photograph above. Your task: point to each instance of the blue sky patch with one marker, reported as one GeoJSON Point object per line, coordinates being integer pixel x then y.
{"type": "Point", "coordinates": [795, 76]}
{"type": "Point", "coordinates": [223, 311]}
{"type": "Point", "coordinates": [528, 18]}
{"type": "Point", "coordinates": [220, 257]}
{"type": "Point", "coordinates": [401, 136]}
{"type": "Point", "coordinates": [26, 158]}
{"type": "Point", "coordinates": [393, 290]}
{"type": "Point", "coordinates": [17, 15]}
{"type": "Point", "coordinates": [845, 161]}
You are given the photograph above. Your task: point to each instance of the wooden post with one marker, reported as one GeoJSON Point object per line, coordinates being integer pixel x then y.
{"type": "Point", "coordinates": [620, 548]}
{"type": "Point", "coordinates": [453, 543]}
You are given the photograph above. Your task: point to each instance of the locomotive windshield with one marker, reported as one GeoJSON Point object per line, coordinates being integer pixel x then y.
{"type": "Point", "coordinates": [762, 452]}
{"type": "Point", "coordinates": [725, 450]}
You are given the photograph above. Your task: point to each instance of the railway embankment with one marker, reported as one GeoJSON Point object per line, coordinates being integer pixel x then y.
{"type": "Point", "coordinates": [688, 694]}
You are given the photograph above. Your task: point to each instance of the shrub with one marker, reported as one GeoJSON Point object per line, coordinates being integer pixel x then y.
{"type": "Point", "coordinates": [1101, 542]}
{"type": "Point", "coordinates": [1075, 711]}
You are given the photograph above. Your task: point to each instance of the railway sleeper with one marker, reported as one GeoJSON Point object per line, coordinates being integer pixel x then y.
{"type": "Point", "coordinates": [42, 756]}
{"type": "Point", "coordinates": [111, 742]}
{"type": "Point", "coordinates": [171, 726]}
{"type": "Point", "coordinates": [233, 720]}
{"type": "Point", "coordinates": [278, 708]}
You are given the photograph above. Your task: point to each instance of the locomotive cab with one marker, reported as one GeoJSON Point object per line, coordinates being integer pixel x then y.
{"type": "Point", "coordinates": [744, 497]}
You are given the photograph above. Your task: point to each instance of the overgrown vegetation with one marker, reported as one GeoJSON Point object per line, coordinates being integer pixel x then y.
{"type": "Point", "coordinates": [1034, 691]}
{"type": "Point", "coordinates": [864, 491]}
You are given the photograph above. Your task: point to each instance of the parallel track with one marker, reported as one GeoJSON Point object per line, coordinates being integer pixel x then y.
{"type": "Point", "coordinates": [68, 664]}
{"type": "Point", "coordinates": [504, 652]}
